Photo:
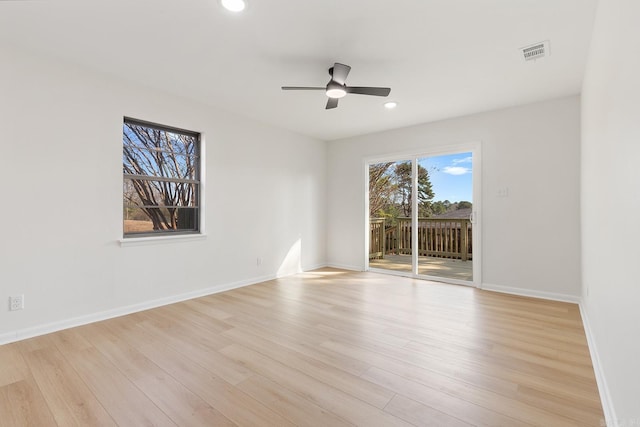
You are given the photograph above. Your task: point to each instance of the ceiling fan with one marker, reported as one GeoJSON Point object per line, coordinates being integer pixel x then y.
{"type": "Point", "coordinates": [336, 88]}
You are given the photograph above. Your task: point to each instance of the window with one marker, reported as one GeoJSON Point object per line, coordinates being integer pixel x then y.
{"type": "Point", "coordinates": [161, 185]}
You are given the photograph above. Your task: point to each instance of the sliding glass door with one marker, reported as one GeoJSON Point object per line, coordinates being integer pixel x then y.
{"type": "Point", "coordinates": [445, 229]}
{"type": "Point", "coordinates": [390, 190]}
{"type": "Point", "coordinates": [422, 216]}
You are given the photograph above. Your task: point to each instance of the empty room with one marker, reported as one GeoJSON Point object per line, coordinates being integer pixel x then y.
{"type": "Point", "coordinates": [306, 213]}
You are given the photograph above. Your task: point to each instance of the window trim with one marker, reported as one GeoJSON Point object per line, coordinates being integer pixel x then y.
{"type": "Point", "coordinates": [198, 156]}
{"type": "Point", "coordinates": [160, 239]}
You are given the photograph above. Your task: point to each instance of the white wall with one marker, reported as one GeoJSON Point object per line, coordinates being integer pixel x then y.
{"type": "Point", "coordinates": [531, 239]}
{"type": "Point", "coordinates": [61, 215]}
{"type": "Point", "coordinates": [611, 202]}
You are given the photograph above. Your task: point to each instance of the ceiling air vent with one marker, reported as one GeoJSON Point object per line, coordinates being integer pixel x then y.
{"type": "Point", "coordinates": [535, 51]}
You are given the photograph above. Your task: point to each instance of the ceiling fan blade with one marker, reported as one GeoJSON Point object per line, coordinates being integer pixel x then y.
{"type": "Point", "coordinates": [364, 90]}
{"type": "Point", "coordinates": [331, 103]}
{"type": "Point", "coordinates": [301, 87]}
{"type": "Point", "coordinates": [339, 73]}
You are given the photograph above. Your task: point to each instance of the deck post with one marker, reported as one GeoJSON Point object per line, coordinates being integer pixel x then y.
{"type": "Point", "coordinates": [464, 229]}
{"type": "Point", "coordinates": [383, 237]}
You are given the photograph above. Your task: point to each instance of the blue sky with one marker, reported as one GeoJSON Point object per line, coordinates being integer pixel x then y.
{"type": "Point", "coordinates": [450, 176]}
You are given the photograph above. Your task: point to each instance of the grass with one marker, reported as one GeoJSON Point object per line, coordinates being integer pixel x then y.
{"type": "Point", "coordinates": [135, 226]}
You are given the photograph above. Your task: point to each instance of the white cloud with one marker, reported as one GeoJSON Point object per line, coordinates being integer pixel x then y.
{"type": "Point", "coordinates": [464, 160]}
{"type": "Point", "coordinates": [456, 170]}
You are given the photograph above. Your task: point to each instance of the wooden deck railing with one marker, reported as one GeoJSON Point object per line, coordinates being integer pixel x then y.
{"type": "Point", "coordinates": [376, 238]}
{"type": "Point", "coordinates": [437, 237]}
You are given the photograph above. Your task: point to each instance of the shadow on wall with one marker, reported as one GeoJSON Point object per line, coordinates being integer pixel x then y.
{"type": "Point", "coordinates": [292, 262]}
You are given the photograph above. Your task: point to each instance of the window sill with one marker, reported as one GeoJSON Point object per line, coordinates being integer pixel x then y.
{"type": "Point", "coordinates": [160, 240]}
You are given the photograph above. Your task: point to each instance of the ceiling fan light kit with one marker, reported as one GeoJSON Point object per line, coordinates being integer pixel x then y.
{"type": "Point", "coordinates": [334, 90]}
{"type": "Point", "coordinates": [337, 88]}
{"type": "Point", "coordinates": [234, 5]}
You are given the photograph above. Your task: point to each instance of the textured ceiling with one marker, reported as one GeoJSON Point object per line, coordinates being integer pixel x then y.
{"type": "Point", "coordinates": [441, 58]}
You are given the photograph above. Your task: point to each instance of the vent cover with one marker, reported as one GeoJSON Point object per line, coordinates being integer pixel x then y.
{"type": "Point", "coordinates": [535, 51]}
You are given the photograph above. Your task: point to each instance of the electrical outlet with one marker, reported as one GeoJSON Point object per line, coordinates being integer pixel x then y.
{"type": "Point", "coordinates": [258, 261]}
{"type": "Point", "coordinates": [503, 192]}
{"type": "Point", "coordinates": [16, 303]}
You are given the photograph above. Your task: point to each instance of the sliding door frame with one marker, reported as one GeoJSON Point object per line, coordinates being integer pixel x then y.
{"type": "Point", "coordinates": [476, 149]}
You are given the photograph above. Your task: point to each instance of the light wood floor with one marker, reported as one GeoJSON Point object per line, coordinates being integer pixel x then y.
{"type": "Point", "coordinates": [326, 348]}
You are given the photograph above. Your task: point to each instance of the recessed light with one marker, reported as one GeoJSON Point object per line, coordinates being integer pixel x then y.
{"type": "Point", "coordinates": [234, 5]}
{"type": "Point", "coordinates": [390, 105]}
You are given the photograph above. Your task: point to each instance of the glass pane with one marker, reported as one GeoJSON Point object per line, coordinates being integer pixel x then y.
{"type": "Point", "coordinates": [159, 220]}
{"type": "Point", "coordinates": [444, 227]}
{"type": "Point", "coordinates": [141, 193]}
{"type": "Point", "coordinates": [153, 152]}
{"type": "Point", "coordinates": [156, 206]}
{"type": "Point", "coordinates": [390, 188]}
{"type": "Point", "coordinates": [161, 203]}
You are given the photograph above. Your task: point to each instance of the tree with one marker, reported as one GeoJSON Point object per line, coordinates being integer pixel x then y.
{"type": "Point", "coordinates": [381, 188]}
{"type": "Point", "coordinates": [390, 190]}
{"type": "Point", "coordinates": [405, 185]}
{"type": "Point", "coordinates": [439, 207]}
{"type": "Point", "coordinates": [160, 167]}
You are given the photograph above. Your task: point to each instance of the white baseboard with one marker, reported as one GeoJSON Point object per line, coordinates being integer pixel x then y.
{"type": "Point", "coordinates": [315, 267]}
{"type": "Point", "coordinates": [345, 267]}
{"type": "Point", "coordinates": [47, 328]}
{"type": "Point", "coordinates": [7, 337]}
{"type": "Point", "coordinates": [603, 388]}
{"type": "Point", "coordinates": [531, 293]}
